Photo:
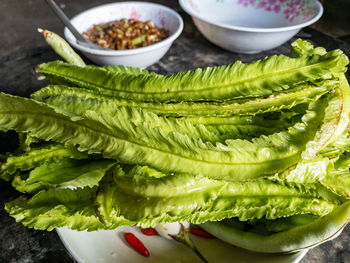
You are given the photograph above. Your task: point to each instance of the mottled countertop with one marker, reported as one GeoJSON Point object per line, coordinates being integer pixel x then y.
{"type": "Point", "coordinates": [22, 48]}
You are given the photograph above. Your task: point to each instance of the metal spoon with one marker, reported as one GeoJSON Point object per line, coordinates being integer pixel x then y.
{"type": "Point", "coordinates": [64, 19]}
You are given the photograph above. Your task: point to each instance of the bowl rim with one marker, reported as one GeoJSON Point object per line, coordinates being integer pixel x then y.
{"type": "Point", "coordinates": [165, 42]}
{"type": "Point", "coordinates": [255, 29]}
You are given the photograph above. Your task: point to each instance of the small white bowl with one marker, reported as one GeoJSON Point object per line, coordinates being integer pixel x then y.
{"type": "Point", "coordinates": [251, 26]}
{"type": "Point", "coordinates": [142, 57]}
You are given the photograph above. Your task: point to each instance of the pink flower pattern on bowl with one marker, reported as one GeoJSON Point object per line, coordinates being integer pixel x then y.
{"type": "Point", "coordinates": [291, 9]}
{"type": "Point", "coordinates": [308, 14]}
{"type": "Point", "coordinates": [246, 2]}
{"type": "Point", "coordinates": [271, 5]}
{"type": "Point", "coordinates": [195, 7]}
{"type": "Point", "coordinates": [161, 18]}
{"type": "Point", "coordinates": [135, 15]}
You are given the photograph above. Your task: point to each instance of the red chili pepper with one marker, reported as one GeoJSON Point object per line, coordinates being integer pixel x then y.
{"type": "Point", "coordinates": [200, 232]}
{"type": "Point", "coordinates": [136, 244]}
{"type": "Point", "coordinates": [149, 231]}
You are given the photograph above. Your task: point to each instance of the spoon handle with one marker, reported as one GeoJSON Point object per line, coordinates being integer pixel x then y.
{"type": "Point", "coordinates": [65, 20]}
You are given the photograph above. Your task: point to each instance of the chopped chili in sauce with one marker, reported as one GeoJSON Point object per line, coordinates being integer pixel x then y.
{"type": "Point", "coordinates": [126, 34]}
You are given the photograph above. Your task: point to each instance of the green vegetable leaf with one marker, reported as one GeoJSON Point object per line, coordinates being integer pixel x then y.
{"type": "Point", "coordinates": [301, 48]}
{"type": "Point", "coordinates": [339, 182]}
{"type": "Point", "coordinates": [64, 173]}
{"type": "Point", "coordinates": [125, 69]}
{"type": "Point", "coordinates": [297, 238]}
{"type": "Point", "coordinates": [287, 223]}
{"type": "Point", "coordinates": [141, 195]}
{"type": "Point", "coordinates": [57, 208]}
{"type": "Point", "coordinates": [332, 126]}
{"type": "Point", "coordinates": [36, 157]}
{"type": "Point", "coordinates": [243, 127]}
{"type": "Point", "coordinates": [306, 172]}
{"type": "Point", "coordinates": [137, 142]}
{"type": "Point", "coordinates": [26, 142]}
{"type": "Point", "coordinates": [79, 100]}
{"type": "Point", "coordinates": [335, 176]}
{"type": "Point", "coordinates": [259, 79]}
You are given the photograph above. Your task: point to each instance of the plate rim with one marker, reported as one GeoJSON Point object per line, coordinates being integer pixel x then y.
{"type": "Point", "coordinates": [76, 257]}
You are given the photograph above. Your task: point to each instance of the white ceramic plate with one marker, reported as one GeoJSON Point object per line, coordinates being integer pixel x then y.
{"type": "Point", "coordinates": [110, 247]}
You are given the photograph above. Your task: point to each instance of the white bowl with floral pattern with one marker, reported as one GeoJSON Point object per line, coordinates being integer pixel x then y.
{"type": "Point", "coordinates": [251, 26]}
{"type": "Point", "coordinates": [142, 57]}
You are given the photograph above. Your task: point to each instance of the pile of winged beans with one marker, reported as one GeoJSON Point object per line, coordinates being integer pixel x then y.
{"type": "Point", "coordinates": [258, 154]}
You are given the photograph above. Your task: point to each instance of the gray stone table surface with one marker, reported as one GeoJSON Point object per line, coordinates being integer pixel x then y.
{"type": "Point", "coordinates": [22, 48]}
